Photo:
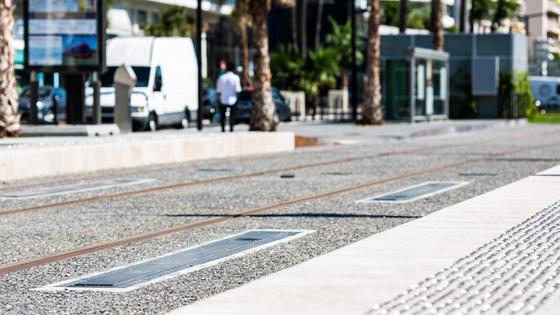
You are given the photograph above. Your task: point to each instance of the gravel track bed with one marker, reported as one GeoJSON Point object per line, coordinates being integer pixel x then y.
{"type": "Point", "coordinates": [338, 219]}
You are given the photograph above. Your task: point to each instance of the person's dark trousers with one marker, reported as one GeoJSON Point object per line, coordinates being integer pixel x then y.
{"type": "Point", "coordinates": [232, 116]}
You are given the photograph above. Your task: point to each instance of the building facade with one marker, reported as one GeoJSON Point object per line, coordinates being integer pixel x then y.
{"type": "Point", "coordinates": [543, 21]}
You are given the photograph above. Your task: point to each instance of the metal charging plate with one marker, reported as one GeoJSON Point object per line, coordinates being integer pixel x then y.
{"type": "Point", "coordinates": [73, 188]}
{"type": "Point", "coordinates": [130, 277]}
{"type": "Point", "coordinates": [416, 192]}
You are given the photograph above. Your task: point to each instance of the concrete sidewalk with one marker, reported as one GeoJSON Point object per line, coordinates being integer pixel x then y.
{"type": "Point", "coordinates": [30, 157]}
{"type": "Point", "coordinates": [349, 133]}
{"type": "Point", "coordinates": [51, 156]}
{"type": "Point", "coordinates": [495, 253]}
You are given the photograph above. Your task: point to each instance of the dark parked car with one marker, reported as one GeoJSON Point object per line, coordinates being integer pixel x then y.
{"type": "Point", "coordinates": [45, 109]}
{"type": "Point", "coordinates": [210, 101]}
{"type": "Point", "coordinates": [282, 110]}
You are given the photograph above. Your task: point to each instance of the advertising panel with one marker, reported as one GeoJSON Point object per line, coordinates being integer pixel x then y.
{"type": "Point", "coordinates": [64, 35]}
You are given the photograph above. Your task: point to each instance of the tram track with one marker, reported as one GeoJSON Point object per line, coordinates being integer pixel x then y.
{"type": "Point", "coordinates": [182, 185]}
{"type": "Point", "coordinates": [4, 213]}
{"type": "Point", "coordinates": [19, 266]}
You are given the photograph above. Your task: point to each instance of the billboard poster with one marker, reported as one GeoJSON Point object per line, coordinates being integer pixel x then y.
{"type": "Point", "coordinates": [64, 35]}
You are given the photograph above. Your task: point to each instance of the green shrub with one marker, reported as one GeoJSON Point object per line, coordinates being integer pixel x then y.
{"type": "Point", "coordinates": [514, 88]}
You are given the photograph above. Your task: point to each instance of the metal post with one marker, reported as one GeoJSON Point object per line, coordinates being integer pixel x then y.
{"type": "Point", "coordinates": [55, 108]}
{"type": "Point", "coordinates": [403, 16]}
{"type": "Point", "coordinates": [463, 16]}
{"type": "Point", "coordinates": [33, 98]}
{"type": "Point", "coordinates": [96, 115]}
{"type": "Point", "coordinates": [75, 97]}
{"type": "Point", "coordinates": [354, 84]}
{"type": "Point", "coordinates": [199, 63]}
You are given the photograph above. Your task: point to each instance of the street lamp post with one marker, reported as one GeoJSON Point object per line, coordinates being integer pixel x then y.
{"type": "Point", "coordinates": [403, 16]}
{"type": "Point", "coordinates": [199, 112]}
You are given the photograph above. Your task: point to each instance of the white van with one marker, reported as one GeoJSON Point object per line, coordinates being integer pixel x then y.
{"type": "Point", "coordinates": [166, 88]}
{"type": "Point", "coordinates": [546, 91]}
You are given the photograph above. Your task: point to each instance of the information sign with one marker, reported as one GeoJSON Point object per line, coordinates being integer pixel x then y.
{"type": "Point", "coordinates": [64, 35]}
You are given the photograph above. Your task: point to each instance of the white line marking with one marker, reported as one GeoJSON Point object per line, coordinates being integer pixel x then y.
{"type": "Point", "coordinates": [58, 286]}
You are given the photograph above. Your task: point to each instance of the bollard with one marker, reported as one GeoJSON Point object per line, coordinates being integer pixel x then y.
{"type": "Point", "coordinates": [124, 79]}
{"type": "Point", "coordinates": [33, 98]}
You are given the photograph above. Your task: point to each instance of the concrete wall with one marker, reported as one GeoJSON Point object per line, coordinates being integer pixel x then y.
{"type": "Point", "coordinates": [128, 151]}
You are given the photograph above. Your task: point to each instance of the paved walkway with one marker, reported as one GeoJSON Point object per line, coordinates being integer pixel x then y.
{"type": "Point", "coordinates": [331, 132]}
{"type": "Point", "coordinates": [495, 253]}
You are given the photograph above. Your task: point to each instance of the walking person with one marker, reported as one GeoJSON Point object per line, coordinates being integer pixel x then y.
{"type": "Point", "coordinates": [227, 87]}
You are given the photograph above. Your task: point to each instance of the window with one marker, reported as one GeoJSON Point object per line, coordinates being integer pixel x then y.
{"type": "Point", "coordinates": [155, 18]}
{"type": "Point", "coordinates": [142, 17]}
{"type": "Point", "coordinates": [142, 76]}
{"type": "Point", "coordinates": [158, 81]}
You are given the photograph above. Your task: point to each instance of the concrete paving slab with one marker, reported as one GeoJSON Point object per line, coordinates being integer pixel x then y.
{"type": "Point", "coordinates": [350, 133]}
{"type": "Point", "coordinates": [52, 158]}
{"type": "Point", "coordinates": [554, 171]}
{"type": "Point", "coordinates": [353, 279]}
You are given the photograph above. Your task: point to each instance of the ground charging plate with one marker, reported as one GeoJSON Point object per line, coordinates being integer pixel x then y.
{"type": "Point", "coordinates": [416, 192]}
{"type": "Point", "coordinates": [73, 188]}
{"type": "Point", "coordinates": [130, 277]}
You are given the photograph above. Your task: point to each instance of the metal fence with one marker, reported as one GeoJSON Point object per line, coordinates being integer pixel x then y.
{"type": "Point", "coordinates": [515, 106]}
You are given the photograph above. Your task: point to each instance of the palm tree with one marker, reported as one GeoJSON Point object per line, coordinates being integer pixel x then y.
{"type": "Point", "coordinates": [480, 10]}
{"type": "Point", "coordinates": [242, 20]}
{"type": "Point", "coordinates": [9, 117]}
{"type": "Point", "coordinates": [504, 9]}
{"type": "Point", "coordinates": [437, 29]}
{"type": "Point", "coordinates": [341, 39]}
{"type": "Point", "coordinates": [372, 112]}
{"type": "Point", "coordinates": [262, 116]}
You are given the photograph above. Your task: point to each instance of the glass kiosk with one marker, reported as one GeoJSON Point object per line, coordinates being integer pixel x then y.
{"type": "Point", "coordinates": [415, 84]}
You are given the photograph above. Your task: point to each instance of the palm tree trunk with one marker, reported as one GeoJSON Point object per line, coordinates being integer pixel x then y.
{"type": "Point", "coordinates": [294, 25]}
{"type": "Point", "coordinates": [319, 23]}
{"type": "Point", "coordinates": [372, 112]}
{"type": "Point", "coordinates": [245, 78]}
{"type": "Point", "coordinates": [262, 116]}
{"type": "Point", "coordinates": [9, 117]}
{"type": "Point", "coordinates": [437, 29]}
{"type": "Point", "coordinates": [303, 28]}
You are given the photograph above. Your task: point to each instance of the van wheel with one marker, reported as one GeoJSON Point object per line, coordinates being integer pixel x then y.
{"type": "Point", "coordinates": [185, 121]}
{"type": "Point", "coordinates": [152, 124]}
{"type": "Point", "coordinates": [184, 124]}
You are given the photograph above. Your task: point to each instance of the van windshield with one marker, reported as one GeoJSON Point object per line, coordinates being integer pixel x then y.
{"type": "Point", "coordinates": [142, 74]}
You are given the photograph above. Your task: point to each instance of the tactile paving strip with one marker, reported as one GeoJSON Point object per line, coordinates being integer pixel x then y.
{"type": "Point", "coordinates": [516, 273]}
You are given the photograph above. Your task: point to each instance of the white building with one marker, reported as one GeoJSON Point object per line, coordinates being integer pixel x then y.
{"type": "Point", "coordinates": [126, 16]}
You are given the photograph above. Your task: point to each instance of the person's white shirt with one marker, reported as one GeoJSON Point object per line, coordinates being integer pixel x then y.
{"type": "Point", "coordinates": [228, 86]}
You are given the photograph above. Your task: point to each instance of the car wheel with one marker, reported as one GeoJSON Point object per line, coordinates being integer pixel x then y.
{"type": "Point", "coordinates": [152, 124]}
